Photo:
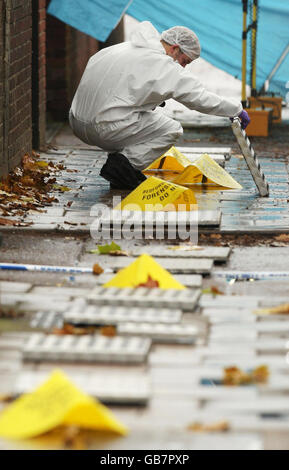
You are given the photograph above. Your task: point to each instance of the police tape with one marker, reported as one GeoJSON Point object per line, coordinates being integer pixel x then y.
{"type": "Point", "coordinates": [48, 268]}
{"type": "Point", "coordinates": [243, 275]}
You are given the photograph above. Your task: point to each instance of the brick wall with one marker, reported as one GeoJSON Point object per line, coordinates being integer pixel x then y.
{"type": "Point", "coordinates": [68, 51]}
{"type": "Point", "coordinates": [2, 159]}
{"type": "Point", "coordinates": [19, 133]}
{"type": "Point", "coordinates": [39, 73]}
{"type": "Point", "coordinates": [16, 121]}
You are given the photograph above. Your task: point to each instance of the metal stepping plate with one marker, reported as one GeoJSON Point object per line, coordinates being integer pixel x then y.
{"type": "Point", "coordinates": [110, 315]}
{"type": "Point", "coordinates": [134, 390]}
{"type": "Point", "coordinates": [216, 253]}
{"type": "Point", "coordinates": [250, 157]}
{"type": "Point", "coordinates": [160, 333]}
{"type": "Point", "coordinates": [144, 297]}
{"type": "Point", "coordinates": [47, 320]}
{"type": "Point", "coordinates": [178, 266]}
{"type": "Point", "coordinates": [86, 348]}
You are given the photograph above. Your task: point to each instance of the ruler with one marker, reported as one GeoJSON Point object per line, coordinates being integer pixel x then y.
{"type": "Point", "coordinates": [250, 157]}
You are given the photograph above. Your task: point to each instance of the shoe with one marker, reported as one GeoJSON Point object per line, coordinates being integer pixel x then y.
{"type": "Point", "coordinates": [120, 173]}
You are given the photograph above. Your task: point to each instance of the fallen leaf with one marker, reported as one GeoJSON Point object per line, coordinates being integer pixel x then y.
{"type": "Point", "coordinates": [7, 221]}
{"type": "Point", "coordinates": [107, 249]}
{"type": "Point", "coordinates": [119, 253]}
{"type": "Point", "coordinates": [219, 426]}
{"type": "Point", "coordinates": [73, 438]}
{"type": "Point", "coordinates": [216, 236]}
{"type": "Point", "coordinates": [260, 374]}
{"type": "Point", "coordinates": [109, 331]}
{"type": "Point", "coordinates": [150, 283]}
{"type": "Point", "coordinates": [280, 309]}
{"type": "Point", "coordinates": [7, 398]}
{"type": "Point", "coordinates": [284, 237]}
{"type": "Point", "coordinates": [73, 330]}
{"type": "Point", "coordinates": [42, 163]}
{"type": "Point", "coordinates": [213, 290]}
{"type": "Point", "coordinates": [235, 376]}
{"type": "Point", "coordinates": [97, 269]}
{"type": "Point", "coordinates": [70, 223]}
{"type": "Point", "coordinates": [63, 189]}
{"type": "Point", "coordinates": [10, 312]}
{"type": "Point", "coordinates": [186, 248]}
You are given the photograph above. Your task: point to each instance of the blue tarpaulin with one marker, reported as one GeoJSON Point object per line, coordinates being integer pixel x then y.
{"type": "Point", "coordinates": [218, 23]}
{"type": "Point", "coordinates": [94, 17]}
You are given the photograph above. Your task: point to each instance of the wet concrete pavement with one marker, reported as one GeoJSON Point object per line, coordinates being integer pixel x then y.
{"type": "Point", "coordinates": [61, 237]}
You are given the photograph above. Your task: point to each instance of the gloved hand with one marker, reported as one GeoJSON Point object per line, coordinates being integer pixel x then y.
{"type": "Point", "coordinates": [244, 118]}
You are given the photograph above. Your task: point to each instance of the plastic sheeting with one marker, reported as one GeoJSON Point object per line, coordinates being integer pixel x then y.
{"type": "Point", "coordinates": [218, 24]}
{"type": "Point", "coordinates": [94, 17]}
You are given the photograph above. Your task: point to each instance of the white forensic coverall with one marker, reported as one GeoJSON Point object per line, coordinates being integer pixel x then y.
{"type": "Point", "coordinates": [115, 104]}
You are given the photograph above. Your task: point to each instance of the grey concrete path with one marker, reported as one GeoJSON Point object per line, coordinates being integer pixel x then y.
{"type": "Point", "coordinates": [178, 384]}
{"type": "Point", "coordinates": [241, 210]}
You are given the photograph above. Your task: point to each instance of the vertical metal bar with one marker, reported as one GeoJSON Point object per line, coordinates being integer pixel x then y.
{"type": "Point", "coordinates": [254, 50]}
{"type": "Point", "coordinates": [244, 52]}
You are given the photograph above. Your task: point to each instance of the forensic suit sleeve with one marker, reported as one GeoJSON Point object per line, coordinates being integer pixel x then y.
{"type": "Point", "coordinates": [183, 87]}
{"type": "Point", "coordinates": [190, 92]}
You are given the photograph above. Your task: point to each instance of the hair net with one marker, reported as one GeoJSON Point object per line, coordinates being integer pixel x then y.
{"type": "Point", "coordinates": [185, 38]}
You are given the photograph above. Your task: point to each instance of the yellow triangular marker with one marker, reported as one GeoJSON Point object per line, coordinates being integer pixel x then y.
{"type": "Point", "coordinates": [214, 172]}
{"type": "Point", "coordinates": [155, 194]}
{"type": "Point", "coordinates": [139, 271]}
{"type": "Point", "coordinates": [172, 160]}
{"type": "Point", "coordinates": [192, 172]}
{"type": "Point", "coordinates": [57, 401]}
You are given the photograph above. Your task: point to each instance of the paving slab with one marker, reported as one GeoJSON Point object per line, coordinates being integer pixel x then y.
{"type": "Point", "coordinates": [174, 265]}
{"type": "Point", "coordinates": [87, 348]}
{"type": "Point", "coordinates": [144, 297]}
{"type": "Point", "coordinates": [220, 254]}
{"type": "Point", "coordinates": [134, 390]}
{"type": "Point", "coordinates": [81, 313]}
{"type": "Point", "coordinates": [188, 280]}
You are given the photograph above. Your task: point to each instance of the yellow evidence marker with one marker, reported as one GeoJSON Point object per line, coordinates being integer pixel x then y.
{"type": "Point", "coordinates": [56, 402]}
{"type": "Point", "coordinates": [140, 270]}
{"type": "Point", "coordinates": [155, 194]}
{"type": "Point", "coordinates": [180, 170]}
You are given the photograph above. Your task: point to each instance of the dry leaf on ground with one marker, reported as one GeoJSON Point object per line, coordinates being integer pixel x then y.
{"type": "Point", "coordinates": [219, 426]}
{"type": "Point", "coordinates": [109, 331]}
{"type": "Point", "coordinates": [284, 237]}
{"type": "Point", "coordinates": [235, 376]}
{"type": "Point", "coordinates": [280, 309]}
{"type": "Point", "coordinates": [73, 330]}
{"type": "Point", "coordinates": [97, 269]}
{"type": "Point", "coordinates": [150, 283]}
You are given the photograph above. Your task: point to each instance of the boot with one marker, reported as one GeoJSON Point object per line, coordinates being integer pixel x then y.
{"type": "Point", "coordinates": [120, 173]}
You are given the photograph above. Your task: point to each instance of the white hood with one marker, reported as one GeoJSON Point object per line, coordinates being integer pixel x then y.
{"type": "Point", "coordinates": [145, 35]}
